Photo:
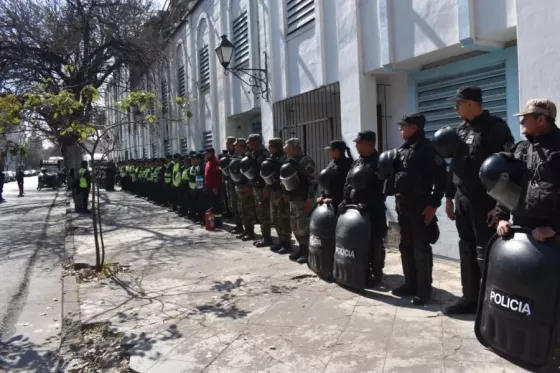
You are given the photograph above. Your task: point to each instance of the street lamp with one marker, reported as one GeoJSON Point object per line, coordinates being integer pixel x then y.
{"type": "Point", "coordinates": [257, 78]}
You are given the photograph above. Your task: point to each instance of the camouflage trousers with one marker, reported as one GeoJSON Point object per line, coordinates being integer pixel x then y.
{"type": "Point", "coordinates": [232, 202]}
{"type": "Point", "coordinates": [280, 214]}
{"type": "Point", "coordinates": [246, 205]}
{"type": "Point", "coordinates": [262, 207]}
{"type": "Point", "coordinates": [299, 220]}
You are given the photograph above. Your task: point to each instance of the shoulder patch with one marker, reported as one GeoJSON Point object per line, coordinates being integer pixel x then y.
{"type": "Point", "coordinates": [438, 160]}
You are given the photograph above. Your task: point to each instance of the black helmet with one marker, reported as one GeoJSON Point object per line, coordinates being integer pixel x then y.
{"type": "Point", "coordinates": [270, 171]}
{"type": "Point", "coordinates": [289, 175]}
{"type": "Point", "coordinates": [326, 178]}
{"type": "Point", "coordinates": [235, 170]}
{"type": "Point", "coordinates": [446, 140]}
{"type": "Point", "coordinates": [224, 165]}
{"type": "Point", "coordinates": [504, 179]}
{"type": "Point", "coordinates": [386, 163]}
{"type": "Point", "coordinates": [248, 167]}
{"type": "Point", "coordinates": [360, 177]}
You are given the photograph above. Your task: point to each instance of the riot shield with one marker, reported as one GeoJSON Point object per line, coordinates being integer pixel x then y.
{"type": "Point", "coordinates": [322, 226]}
{"type": "Point", "coordinates": [518, 311]}
{"type": "Point", "coordinates": [352, 248]}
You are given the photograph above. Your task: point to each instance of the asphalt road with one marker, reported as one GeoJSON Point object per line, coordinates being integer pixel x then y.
{"type": "Point", "coordinates": [31, 252]}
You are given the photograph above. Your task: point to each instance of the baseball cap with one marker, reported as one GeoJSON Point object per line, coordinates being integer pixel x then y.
{"type": "Point", "coordinates": [539, 106]}
{"type": "Point", "coordinates": [413, 118]}
{"type": "Point", "coordinates": [468, 93]}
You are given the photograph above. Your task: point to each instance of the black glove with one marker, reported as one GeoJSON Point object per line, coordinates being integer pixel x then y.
{"type": "Point", "coordinates": [360, 207]}
{"type": "Point", "coordinates": [342, 208]}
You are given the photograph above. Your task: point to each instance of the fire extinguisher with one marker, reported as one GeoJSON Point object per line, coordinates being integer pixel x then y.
{"type": "Point", "coordinates": [210, 220]}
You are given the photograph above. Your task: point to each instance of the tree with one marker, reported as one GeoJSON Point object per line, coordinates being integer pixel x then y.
{"type": "Point", "coordinates": [66, 50]}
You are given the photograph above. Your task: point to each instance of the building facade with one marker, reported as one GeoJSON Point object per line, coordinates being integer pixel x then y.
{"type": "Point", "coordinates": [336, 67]}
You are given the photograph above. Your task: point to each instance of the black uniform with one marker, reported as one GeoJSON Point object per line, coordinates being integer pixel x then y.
{"type": "Point", "coordinates": [335, 191]}
{"type": "Point", "coordinates": [541, 154]}
{"type": "Point", "coordinates": [371, 201]}
{"type": "Point", "coordinates": [1, 184]}
{"type": "Point", "coordinates": [481, 137]}
{"type": "Point", "coordinates": [420, 181]}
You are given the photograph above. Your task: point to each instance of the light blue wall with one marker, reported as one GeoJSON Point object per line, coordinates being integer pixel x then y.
{"type": "Point", "coordinates": [509, 55]}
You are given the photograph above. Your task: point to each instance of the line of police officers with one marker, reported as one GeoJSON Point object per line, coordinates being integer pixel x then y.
{"type": "Point", "coordinates": [279, 186]}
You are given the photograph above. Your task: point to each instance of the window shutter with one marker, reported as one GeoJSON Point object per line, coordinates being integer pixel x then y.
{"type": "Point", "coordinates": [167, 146]}
{"type": "Point", "coordinates": [181, 81]}
{"type": "Point", "coordinates": [256, 127]}
{"type": "Point", "coordinates": [204, 68]}
{"type": "Point", "coordinates": [207, 139]}
{"type": "Point", "coordinates": [299, 14]}
{"type": "Point", "coordinates": [164, 97]}
{"type": "Point", "coordinates": [241, 40]}
{"type": "Point", "coordinates": [432, 96]}
{"type": "Point", "coordinates": [154, 151]}
{"type": "Point", "coordinates": [184, 150]}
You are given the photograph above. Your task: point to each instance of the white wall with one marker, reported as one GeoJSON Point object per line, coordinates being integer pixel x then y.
{"type": "Point", "coordinates": [538, 41]}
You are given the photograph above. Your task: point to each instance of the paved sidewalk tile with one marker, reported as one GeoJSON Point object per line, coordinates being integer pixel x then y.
{"type": "Point", "coordinates": [199, 301]}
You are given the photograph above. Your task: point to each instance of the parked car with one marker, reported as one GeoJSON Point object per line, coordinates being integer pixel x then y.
{"type": "Point", "coordinates": [27, 173]}
{"type": "Point", "coordinates": [11, 176]}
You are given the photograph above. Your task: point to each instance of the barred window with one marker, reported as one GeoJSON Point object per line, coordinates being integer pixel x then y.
{"type": "Point", "coordinates": [298, 14]}
{"type": "Point", "coordinates": [204, 68]}
{"type": "Point", "coordinates": [241, 40]}
{"type": "Point", "coordinates": [181, 81]}
{"type": "Point", "coordinates": [207, 139]}
{"type": "Point", "coordinates": [164, 97]}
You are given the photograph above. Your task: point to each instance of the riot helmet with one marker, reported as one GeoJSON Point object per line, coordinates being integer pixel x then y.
{"type": "Point", "coordinates": [386, 163]}
{"type": "Point", "coordinates": [289, 176]}
{"type": "Point", "coordinates": [326, 178]}
{"type": "Point", "coordinates": [446, 141]}
{"type": "Point", "coordinates": [503, 178]}
{"type": "Point", "coordinates": [270, 171]}
{"type": "Point", "coordinates": [360, 177]}
{"type": "Point", "coordinates": [235, 170]}
{"type": "Point", "coordinates": [224, 165]}
{"type": "Point", "coordinates": [248, 167]}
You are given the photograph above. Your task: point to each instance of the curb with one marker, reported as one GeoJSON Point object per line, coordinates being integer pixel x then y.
{"type": "Point", "coordinates": [70, 333]}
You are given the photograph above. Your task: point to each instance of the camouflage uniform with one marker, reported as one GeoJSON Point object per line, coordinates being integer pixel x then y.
{"type": "Point", "coordinates": [279, 203]}
{"type": "Point", "coordinates": [261, 192]}
{"type": "Point", "coordinates": [299, 218]}
{"type": "Point", "coordinates": [245, 201]}
{"type": "Point", "coordinates": [232, 196]}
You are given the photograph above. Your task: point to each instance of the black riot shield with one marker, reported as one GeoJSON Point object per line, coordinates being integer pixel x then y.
{"type": "Point", "coordinates": [352, 248]}
{"type": "Point", "coordinates": [519, 306]}
{"type": "Point", "coordinates": [322, 226]}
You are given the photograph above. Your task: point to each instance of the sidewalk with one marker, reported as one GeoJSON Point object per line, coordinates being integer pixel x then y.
{"type": "Point", "coordinates": [198, 301]}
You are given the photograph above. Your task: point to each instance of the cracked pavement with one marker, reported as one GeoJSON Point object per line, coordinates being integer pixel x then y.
{"type": "Point", "coordinates": [198, 301]}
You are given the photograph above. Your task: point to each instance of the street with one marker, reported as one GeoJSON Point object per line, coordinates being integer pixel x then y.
{"type": "Point", "coordinates": [31, 252]}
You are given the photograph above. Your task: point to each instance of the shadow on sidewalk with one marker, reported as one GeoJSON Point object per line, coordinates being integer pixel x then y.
{"type": "Point", "coordinates": [18, 354]}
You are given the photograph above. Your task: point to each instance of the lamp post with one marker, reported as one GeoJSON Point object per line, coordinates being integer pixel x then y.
{"type": "Point", "coordinates": [256, 79]}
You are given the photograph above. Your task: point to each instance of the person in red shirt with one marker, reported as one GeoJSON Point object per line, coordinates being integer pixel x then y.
{"type": "Point", "coordinates": [213, 185]}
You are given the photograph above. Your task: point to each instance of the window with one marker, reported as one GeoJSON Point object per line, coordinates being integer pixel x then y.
{"type": "Point", "coordinates": [432, 95]}
{"type": "Point", "coordinates": [207, 139]}
{"type": "Point", "coordinates": [154, 150]}
{"type": "Point", "coordinates": [181, 81]}
{"type": "Point", "coordinates": [299, 13]}
{"type": "Point", "coordinates": [164, 97]}
{"type": "Point", "coordinates": [184, 150]}
{"type": "Point", "coordinates": [204, 68]}
{"type": "Point", "coordinates": [241, 40]}
{"type": "Point", "coordinates": [167, 146]}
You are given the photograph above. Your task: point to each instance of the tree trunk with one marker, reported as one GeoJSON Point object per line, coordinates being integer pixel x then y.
{"type": "Point", "coordinates": [73, 156]}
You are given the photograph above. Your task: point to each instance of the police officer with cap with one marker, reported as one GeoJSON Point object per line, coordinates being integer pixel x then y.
{"type": "Point", "coordinates": [419, 185]}
{"type": "Point", "coordinates": [301, 197]}
{"type": "Point", "coordinates": [261, 192]}
{"type": "Point", "coordinates": [541, 155]}
{"type": "Point", "coordinates": [245, 199]}
{"type": "Point", "coordinates": [481, 134]}
{"type": "Point", "coordinates": [333, 177]}
{"type": "Point", "coordinates": [369, 199]}
{"type": "Point", "coordinates": [231, 193]}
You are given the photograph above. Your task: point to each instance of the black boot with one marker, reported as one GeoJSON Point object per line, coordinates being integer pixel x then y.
{"type": "Point", "coordinates": [463, 307]}
{"type": "Point", "coordinates": [403, 291]}
{"type": "Point", "coordinates": [286, 247]}
{"type": "Point", "coordinates": [296, 253]}
{"type": "Point", "coordinates": [276, 247]}
{"type": "Point", "coordinates": [266, 240]}
{"type": "Point", "coordinates": [249, 235]}
{"type": "Point", "coordinates": [423, 266]}
{"type": "Point", "coordinates": [409, 271]}
{"type": "Point", "coordinates": [304, 253]}
{"type": "Point", "coordinates": [238, 229]}
{"type": "Point", "coordinates": [242, 235]}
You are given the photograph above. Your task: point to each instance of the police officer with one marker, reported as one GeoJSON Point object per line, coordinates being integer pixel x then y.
{"type": "Point", "coordinates": [481, 135]}
{"type": "Point", "coordinates": [370, 200]}
{"type": "Point", "coordinates": [245, 199]}
{"type": "Point", "coordinates": [231, 193]}
{"type": "Point", "coordinates": [198, 171]}
{"type": "Point", "coordinates": [2, 177]}
{"type": "Point", "coordinates": [175, 182]}
{"type": "Point", "coordinates": [279, 201]}
{"type": "Point", "coordinates": [333, 177]}
{"type": "Point", "coordinates": [541, 154]}
{"type": "Point", "coordinates": [168, 177]}
{"type": "Point", "coordinates": [84, 185]}
{"type": "Point", "coordinates": [260, 192]}
{"type": "Point", "coordinates": [419, 185]}
{"type": "Point", "coordinates": [302, 198]}
{"type": "Point", "coordinates": [213, 185]}
{"type": "Point", "coordinates": [184, 189]}
{"type": "Point", "coordinates": [111, 173]}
